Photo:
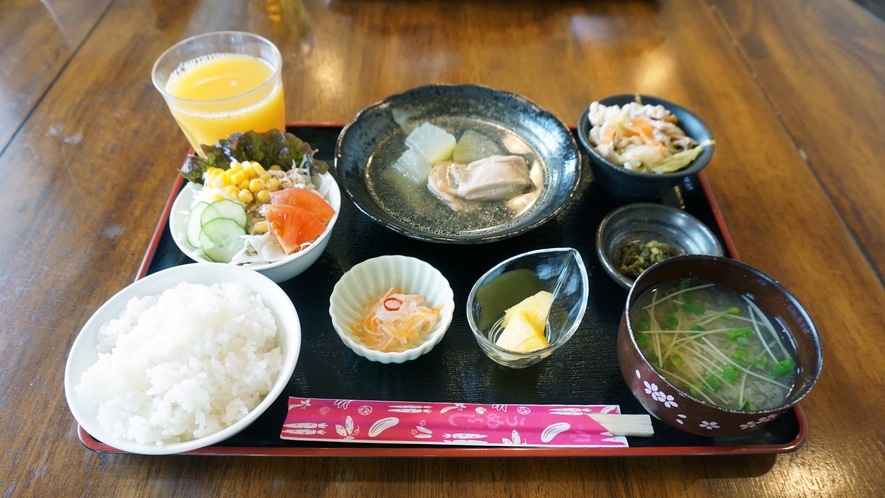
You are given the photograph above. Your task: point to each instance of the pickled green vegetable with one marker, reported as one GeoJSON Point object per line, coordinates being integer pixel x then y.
{"type": "Point", "coordinates": [636, 257]}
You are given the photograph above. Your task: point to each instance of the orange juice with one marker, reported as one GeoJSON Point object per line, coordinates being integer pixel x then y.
{"type": "Point", "coordinates": [220, 94]}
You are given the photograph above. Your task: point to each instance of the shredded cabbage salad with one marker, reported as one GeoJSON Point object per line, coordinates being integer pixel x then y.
{"type": "Point", "coordinates": [641, 138]}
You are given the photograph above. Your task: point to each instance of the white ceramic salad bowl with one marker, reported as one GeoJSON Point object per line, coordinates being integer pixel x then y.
{"type": "Point", "coordinates": [278, 271]}
{"type": "Point", "coordinates": [367, 281]}
{"type": "Point", "coordinates": [84, 352]}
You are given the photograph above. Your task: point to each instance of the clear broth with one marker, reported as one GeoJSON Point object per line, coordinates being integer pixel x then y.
{"type": "Point", "coordinates": [422, 209]}
{"type": "Point", "coordinates": [715, 344]}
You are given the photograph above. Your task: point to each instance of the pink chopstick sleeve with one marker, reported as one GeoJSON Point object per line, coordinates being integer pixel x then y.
{"type": "Point", "coordinates": [392, 422]}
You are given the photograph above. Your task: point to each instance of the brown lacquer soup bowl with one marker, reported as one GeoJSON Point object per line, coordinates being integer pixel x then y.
{"type": "Point", "coordinates": [723, 372]}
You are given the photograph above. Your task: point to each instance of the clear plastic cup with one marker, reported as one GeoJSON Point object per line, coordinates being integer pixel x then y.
{"type": "Point", "coordinates": [217, 84]}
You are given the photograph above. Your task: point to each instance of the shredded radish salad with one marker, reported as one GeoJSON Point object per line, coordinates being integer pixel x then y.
{"type": "Point", "coordinates": [396, 322]}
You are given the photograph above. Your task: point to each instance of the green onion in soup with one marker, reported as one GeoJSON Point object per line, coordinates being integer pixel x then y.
{"type": "Point", "coordinates": [715, 344]}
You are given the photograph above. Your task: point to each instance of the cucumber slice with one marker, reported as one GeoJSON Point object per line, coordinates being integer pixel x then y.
{"type": "Point", "coordinates": [193, 224]}
{"type": "Point", "coordinates": [221, 239]}
{"type": "Point", "coordinates": [225, 208]}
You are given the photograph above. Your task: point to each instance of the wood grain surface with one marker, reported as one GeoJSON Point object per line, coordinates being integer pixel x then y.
{"type": "Point", "coordinates": [827, 91]}
{"type": "Point", "coordinates": [36, 41]}
{"type": "Point", "coordinates": [88, 150]}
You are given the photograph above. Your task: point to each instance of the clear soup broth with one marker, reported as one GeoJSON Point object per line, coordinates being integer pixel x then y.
{"type": "Point", "coordinates": [716, 344]}
{"type": "Point", "coordinates": [419, 207]}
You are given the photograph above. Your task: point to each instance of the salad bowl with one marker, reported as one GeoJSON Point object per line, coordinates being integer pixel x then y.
{"type": "Point", "coordinates": [286, 268]}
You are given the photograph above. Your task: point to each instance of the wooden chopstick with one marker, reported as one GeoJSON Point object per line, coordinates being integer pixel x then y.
{"type": "Point", "coordinates": [624, 425]}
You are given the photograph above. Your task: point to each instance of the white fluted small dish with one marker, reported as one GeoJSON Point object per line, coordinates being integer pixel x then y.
{"type": "Point", "coordinates": [367, 281]}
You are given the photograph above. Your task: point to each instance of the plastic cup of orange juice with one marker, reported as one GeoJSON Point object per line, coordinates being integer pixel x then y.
{"type": "Point", "coordinates": [217, 84]}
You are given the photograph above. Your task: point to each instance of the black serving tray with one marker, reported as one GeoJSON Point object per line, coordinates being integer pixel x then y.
{"type": "Point", "coordinates": [584, 371]}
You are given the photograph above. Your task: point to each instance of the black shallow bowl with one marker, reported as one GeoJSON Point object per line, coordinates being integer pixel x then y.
{"type": "Point", "coordinates": [634, 185]}
{"type": "Point", "coordinates": [547, 135]}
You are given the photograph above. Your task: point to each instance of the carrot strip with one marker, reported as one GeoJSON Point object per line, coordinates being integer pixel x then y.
{"type": "Point", "coordinates": [395, 321]}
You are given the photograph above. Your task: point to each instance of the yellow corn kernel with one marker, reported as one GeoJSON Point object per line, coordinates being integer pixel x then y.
{"type": "Point", "coordinates": [217, 197]}
{"type": "Point", "coordinates": [232, 190]}
{"type": "Point", "coordinates": [257, 167]}
{"type": "Point", "coordinates": [265, 176]}
{"type": "Point", "coordinates": [273, 184]}
{"type": "Point", "coordinates": [256, 185]}
{"type": "Point", "coordinates": [244, 185]}
{"type": "Point", "coordinates": [276, 167]}
{"type": "Point", "coordinates": [259, 228]}
{"type": "Point", "coordinates": [217, 182]}
{"type": "Point", "coordinates": [237, 178]}
{"type": "Point", "coordinates": [263, 196]}
{"type": "Point", "coordinates": [245, 196]}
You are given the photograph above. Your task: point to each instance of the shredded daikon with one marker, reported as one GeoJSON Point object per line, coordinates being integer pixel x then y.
{"type": "Point", "coordinates": [396, 322]}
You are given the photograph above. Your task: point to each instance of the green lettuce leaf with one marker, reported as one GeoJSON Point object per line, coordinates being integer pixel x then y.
{"type": "Point", "coordinates": [274, 147]}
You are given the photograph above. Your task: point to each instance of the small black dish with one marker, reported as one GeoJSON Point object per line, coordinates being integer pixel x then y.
{"type": "Point", "coordinates": [643, 222]}
{"type": "Point", "coordinates": [634, 185]}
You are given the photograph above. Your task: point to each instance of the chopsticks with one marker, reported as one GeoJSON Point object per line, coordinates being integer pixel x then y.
{"type": "Point", "coordinates": [624, 425]}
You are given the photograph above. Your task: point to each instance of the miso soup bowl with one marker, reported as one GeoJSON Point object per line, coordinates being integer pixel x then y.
{"type": "Point", "coordinates": [679, 409]}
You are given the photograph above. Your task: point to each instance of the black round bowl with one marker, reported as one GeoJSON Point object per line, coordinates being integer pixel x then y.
{"type": "Point", "coordinates": [634, 185]}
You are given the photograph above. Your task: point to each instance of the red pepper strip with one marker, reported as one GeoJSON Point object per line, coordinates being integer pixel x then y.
{"type": "Point", "coordinates": [398, 302]}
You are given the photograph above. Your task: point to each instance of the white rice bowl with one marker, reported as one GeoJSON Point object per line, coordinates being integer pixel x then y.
{"type": "Point", "coordinates": [203, 362]}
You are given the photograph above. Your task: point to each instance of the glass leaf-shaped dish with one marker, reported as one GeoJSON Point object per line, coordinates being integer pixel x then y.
{"type": "Point", "coordinates": [559, 271]}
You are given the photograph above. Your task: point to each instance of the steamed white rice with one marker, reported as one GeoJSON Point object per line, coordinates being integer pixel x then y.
{"type": "Point", "coordinates": [184, 364]}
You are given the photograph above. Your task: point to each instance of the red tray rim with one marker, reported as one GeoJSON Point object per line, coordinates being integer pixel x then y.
{"type": "Point", "coordinates": [463, 452]}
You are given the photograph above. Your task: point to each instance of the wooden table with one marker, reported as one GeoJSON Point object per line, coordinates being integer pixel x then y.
{"type": "Point", "coordinates": [795, 92]}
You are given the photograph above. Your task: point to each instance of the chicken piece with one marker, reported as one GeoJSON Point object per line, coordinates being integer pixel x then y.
{"type": "Point", "coordinates": [489, 179]}
{"type": "Point", "coordinates": [443, 185]}
{"type": "Point", "coordinates": [493, 178]}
